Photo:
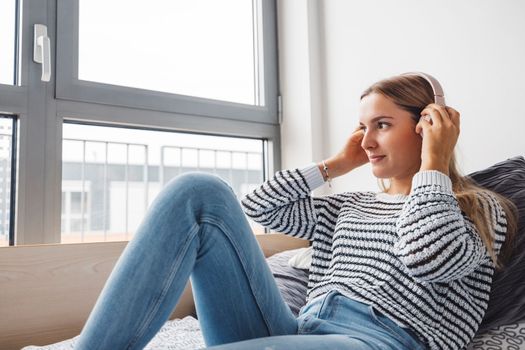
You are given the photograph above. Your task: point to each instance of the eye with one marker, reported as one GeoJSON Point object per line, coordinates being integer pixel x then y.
{"type": "Point", "coordinates": [380, 125]}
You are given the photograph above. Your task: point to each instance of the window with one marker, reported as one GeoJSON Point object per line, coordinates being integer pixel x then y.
{"type": "Point", "coordinates": [7, 41]}
{"type": "Point", "coordinates": [202, 57]}
{"type": "Point", "coordinates": [227, 88]}
{"type": "Point", "coordinates": [109, 179]}
{"type": "Point", "coordinates": [7, 140]}
{"type": "Point", "coordinates": [11, 102]}
{"type": "Point", "coordinates": [201, 48]}
{"type": "Point", "coordinates": [76, 210]}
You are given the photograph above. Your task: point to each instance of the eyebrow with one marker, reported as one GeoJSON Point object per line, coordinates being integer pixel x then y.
{"type": "Point", "coordinates": [377, 118]}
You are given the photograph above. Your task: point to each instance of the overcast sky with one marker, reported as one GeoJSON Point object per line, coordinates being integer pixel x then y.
{"type": "Point", "coordinates": [201, 48]}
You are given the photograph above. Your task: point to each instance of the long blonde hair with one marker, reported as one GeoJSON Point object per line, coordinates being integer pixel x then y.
{"type": "Point", "coordinates": [413, 93]}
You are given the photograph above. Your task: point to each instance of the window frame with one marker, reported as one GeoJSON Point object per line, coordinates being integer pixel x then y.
{"type": "Point", "coordinates": [69, 87]}
{"type": "Point", "coordinates": [41, 110]}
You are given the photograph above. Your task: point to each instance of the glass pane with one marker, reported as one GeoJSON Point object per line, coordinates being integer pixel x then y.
{"type": "Point", "coordinates": [202, 48]}
{"type": "Point", "coordinates": [111, 175]}
{"type": "Point", "coordinates": [6, 139]}
{"type": "Point", "coordinates": [7, 41]}
{"type": "Point", "coordinates": [76, 198]}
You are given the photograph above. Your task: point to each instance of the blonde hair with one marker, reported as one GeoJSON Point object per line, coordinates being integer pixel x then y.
{"type": "Point", "coordinates": [413, 93]}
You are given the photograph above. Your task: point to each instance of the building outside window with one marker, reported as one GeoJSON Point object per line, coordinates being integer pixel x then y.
{"type": "Point", "coordinates": [109, 180]}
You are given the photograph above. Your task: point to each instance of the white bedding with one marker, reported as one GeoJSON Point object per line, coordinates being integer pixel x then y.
{"type": "Point", "coordinates": [178, 334]}
{"type": "Point", "coordinates": [185, 334]}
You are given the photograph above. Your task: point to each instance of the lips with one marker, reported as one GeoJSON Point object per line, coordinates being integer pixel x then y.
{"type": "Point", "coordinates": [375, 159]}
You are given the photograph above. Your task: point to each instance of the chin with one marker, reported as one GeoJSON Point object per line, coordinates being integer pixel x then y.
{"type": "Point", "coordinates": [380, 174]}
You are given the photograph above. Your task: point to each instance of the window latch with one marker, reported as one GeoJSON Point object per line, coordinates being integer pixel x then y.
{"type": "Point", "coordinates": [42, 50]}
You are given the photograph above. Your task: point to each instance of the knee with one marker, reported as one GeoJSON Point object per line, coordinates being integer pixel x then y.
{"type": "Point", "coordinates": [198, 187]}
{"type": "Point", "coordinates": [201, 182]}
{"type": "Point", "coordinates": [186, 200]}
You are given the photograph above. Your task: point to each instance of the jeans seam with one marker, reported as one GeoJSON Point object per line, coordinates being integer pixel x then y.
{"type": "Point", "coordinates": [390, 330]}
{"type": "Point", "coordinates": [304, 327]}
{"type": "Point", "coordinates": [212, 221]}
{"type": "Point", "coordinates": [301, 328]}
{"type": "Point", "coordinates": [318, 313]}
{"type": "Point", "coordinates": [148, 318]}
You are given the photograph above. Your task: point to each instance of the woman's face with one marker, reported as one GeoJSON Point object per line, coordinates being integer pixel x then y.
{"type": "Point", "coordinates": [389, 132]}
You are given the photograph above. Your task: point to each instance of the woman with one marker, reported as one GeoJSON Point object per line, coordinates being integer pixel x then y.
{"type": "Point", "coordinates": [406, 268]}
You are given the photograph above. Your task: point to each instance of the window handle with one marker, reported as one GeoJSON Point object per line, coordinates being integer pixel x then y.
{"type": "Point", "coordinates": [42, 50]}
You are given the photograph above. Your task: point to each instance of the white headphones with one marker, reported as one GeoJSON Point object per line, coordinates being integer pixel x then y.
{"type": "Point", "coordinates": [439, 97]}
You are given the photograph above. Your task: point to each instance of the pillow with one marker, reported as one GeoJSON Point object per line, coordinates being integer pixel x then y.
{"type": "Point", "coordinates": [303, 259]}
{"type": "Point", "coordinates": [292, 282]}
{"type": "Point", "coordinates": [507, 298]}
{"type": "Point", "coordinates": [501, 338]}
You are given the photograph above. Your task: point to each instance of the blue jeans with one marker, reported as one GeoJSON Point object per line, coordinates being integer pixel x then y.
{"type": "Point", "coordinates": [196, 229]}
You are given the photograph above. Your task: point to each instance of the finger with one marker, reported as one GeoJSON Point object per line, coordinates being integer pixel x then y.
{"type": "Point", "coordinates": [427, 118]}
{"type": "Point", "coordinates": [435, 115]}
{"type": "Point", "coordinates": [357, 135]}
{"type": "Point", "coordinates": [423, 124]}
{"type": "Point", "coordinates": [454, 116]}
{"type": "Point", "coordinates": [442, 109]}
{"type": "Point", "coordinates": [451, 110]}
{"type": "Point", "coordinates": [359, 131]}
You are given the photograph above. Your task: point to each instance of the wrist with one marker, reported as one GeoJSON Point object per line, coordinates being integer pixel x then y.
{"type": "Point", "coordinates": [324, 171]}
{"type": "Point", "coordinates": [441, 167]}
{"type": "Point", "coordinates": [321, 169]}
{"type": "Point", "coordinates": [337, 167]}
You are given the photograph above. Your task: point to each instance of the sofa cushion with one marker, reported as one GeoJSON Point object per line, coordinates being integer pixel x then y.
{"type": "Point", "coordinates": [292, 282]}
{"type": "Point", "coordinates": [507, 298]}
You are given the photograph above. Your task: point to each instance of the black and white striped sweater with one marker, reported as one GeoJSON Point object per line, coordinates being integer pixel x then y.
{"type": "Point", "coordinates": [417, 258]}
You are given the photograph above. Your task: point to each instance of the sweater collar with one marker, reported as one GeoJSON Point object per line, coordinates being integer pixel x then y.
{"type": "Point", "coordinates": [391, 197]}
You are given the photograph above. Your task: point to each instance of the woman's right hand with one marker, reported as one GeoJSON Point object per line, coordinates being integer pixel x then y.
{"type": "Point", "coordinates": [350, 157]}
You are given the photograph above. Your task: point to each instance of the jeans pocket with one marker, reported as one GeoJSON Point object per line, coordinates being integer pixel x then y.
{"type": "Point", "coordinates": [307, 324]}
{"type": "Point", "coordinates": [392, 328]}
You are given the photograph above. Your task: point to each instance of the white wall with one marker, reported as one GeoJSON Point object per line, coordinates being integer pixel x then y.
{"type": "Point", "coordinates": [300, 72]}
{"type": "Point", "coordinates": [331, 50]}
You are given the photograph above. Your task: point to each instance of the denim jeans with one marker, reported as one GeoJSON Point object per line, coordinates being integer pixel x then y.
{"type": "Point", "coordinates": [196, 229]}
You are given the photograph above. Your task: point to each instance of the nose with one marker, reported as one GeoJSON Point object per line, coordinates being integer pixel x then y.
{"type": "Point", "coordinates": [368, 140]}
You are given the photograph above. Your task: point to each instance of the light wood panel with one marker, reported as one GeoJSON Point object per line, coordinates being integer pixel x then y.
{"type": "Point", "coordinates": [47, 291]}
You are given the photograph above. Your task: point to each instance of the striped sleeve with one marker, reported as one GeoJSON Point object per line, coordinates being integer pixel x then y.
{"type": "Point", "coordinates": [437, 242]}
{"type": "Point", "coordinates": [284, 203]}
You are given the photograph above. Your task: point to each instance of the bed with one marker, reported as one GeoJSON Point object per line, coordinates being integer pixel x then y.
{"type": "Point", "coordinates": [503, 326]}
{"type": "Point", "coordinates": [185, 333]}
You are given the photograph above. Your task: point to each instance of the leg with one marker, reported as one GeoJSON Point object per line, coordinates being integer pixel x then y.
{"type": "Point", "coordinates": [195, 226]}
{"type": "Point", "coordinates": [309, 342]}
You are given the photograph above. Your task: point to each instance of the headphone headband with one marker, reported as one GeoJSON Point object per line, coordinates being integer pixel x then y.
{"type": "Point", "coordinates": [439, 97]}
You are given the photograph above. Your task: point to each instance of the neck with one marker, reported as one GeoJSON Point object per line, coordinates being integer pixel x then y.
{"type": "Point", "coordinates": [398, 186]}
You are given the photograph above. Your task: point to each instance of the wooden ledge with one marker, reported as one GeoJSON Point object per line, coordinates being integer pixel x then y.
{"type": "Point", "coordinates": [48, 291]}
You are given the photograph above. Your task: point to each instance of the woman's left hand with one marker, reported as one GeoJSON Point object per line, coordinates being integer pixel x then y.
{"type": "Point", "coordinates": [439, 136]}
